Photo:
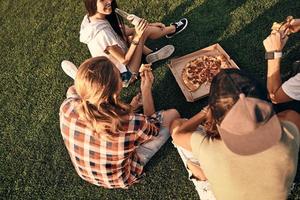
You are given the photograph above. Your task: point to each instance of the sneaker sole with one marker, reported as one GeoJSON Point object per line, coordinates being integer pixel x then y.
{"type": "Point", "coordinates": [69, 68]}
{"type": "Point", "coordinates": [161, 54]}
{"type": "Point", "coordinates": [180, 30]}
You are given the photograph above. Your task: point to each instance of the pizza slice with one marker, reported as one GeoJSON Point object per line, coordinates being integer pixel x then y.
{"type": "Point", "coordinates": [190, 82]}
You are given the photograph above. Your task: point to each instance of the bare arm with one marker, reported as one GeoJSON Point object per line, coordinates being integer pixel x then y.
{"type": "Point", "coordinates": [274, 83]}
{"type": "Point", "coordinates": [275, 42]}
{"type": "Point", "coordinates": [117, 52]}
{"type": "Point", "coordinates": [146, 88]}
{"type": "Point", "coordinates": [183, 129]}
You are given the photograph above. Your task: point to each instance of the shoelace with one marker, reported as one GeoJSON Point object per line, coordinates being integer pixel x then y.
{"type": "Point", "coordinates": [180, 23]}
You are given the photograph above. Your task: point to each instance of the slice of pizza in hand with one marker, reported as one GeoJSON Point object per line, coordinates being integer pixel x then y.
{"type": "Point", "coordinates": [145, 67]}
{"type": "Point", "coordinates": [283, 26]}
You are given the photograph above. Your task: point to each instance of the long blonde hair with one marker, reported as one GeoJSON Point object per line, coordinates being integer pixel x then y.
{"type": "Point", "coordinates": [98, 84]}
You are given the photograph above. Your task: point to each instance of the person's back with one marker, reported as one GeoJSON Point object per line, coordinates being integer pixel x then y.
{"type": "Point", "coordinates": [107, 160]}
{"type": "Point", "coordinates": [108, 143]}
{"type": "Point", "coordinates": [266, 175]}
{"type": "Point", "coordinates": [245, 150]}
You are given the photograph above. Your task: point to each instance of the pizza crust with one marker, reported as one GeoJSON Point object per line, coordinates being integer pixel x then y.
{"type": "Point", "coordinates": [145, 67]}
{"type": "Point", "coordinates": [190, 85]}
{"type": "Point", "coordinates": [202, 70]}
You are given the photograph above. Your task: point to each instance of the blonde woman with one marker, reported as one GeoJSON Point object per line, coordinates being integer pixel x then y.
{"type": "Point", "coordinates": [108, 143]}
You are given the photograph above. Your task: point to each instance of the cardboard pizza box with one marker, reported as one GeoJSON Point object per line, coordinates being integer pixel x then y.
{"type": "Point", "coordinates": [176, 65]}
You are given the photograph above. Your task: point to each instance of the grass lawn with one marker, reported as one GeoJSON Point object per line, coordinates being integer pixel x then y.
{"type": "Point", "coordinates": [36, 35]}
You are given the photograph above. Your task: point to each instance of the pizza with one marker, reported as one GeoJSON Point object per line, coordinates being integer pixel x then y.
{"type": "Point", "coordinates": [283, 26]}
{"type": "Point", "coordinates": [202, 70]}
{"type": "Point", "coordinates": [145, 67]}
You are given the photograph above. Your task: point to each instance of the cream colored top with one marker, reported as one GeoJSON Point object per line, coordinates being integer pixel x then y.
{"type": "Point", "coordinates": [267, 175]}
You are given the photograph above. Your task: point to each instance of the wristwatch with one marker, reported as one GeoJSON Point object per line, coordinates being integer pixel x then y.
{"type": "Point", "coordinates": [273, 55]}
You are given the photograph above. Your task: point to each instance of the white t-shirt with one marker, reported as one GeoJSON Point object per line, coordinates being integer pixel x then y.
{"type": "Point", "coordinates": [292, 87]}
{"type": "Point", "coordinates": [98, 36]}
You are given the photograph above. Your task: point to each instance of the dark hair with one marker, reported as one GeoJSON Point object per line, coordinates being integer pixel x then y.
{"type": "Point", "coordinates": [114, 20]}
{"type": "Point", "coordinates": [224, 93]}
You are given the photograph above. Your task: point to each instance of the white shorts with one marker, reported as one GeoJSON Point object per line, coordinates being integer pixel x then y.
{"type": "Point", "coordinates": [202, 187]}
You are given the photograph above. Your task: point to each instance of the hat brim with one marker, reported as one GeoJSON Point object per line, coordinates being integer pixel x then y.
{"type": "Point", "coordinates": [262, 138]}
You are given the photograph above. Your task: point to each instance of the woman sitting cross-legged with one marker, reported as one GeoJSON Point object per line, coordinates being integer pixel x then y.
{"type": "Point", "coordinates": [245, 150]}
{"type": "Point", "coordinates": [108, 143]}
{"type": "Point", "coordinates": [105, 34]}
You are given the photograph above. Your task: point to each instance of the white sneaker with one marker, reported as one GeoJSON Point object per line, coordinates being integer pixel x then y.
{"type": "Point", "coordinates": [161, 54]}
{"type": "Point", "coordinates": [69, 68]}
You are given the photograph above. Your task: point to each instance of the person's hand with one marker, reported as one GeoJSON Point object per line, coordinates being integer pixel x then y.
{"type": "Point", "coordinates": [275, 42]}
{"type": "Point", "coordinates": [136, 101]}
{"type": "Point", "coordinates": [141, 27]}
{"type": "Point", "coordinates": [295, 25]}
{"type": "Point", "coordinates": [147, 79]}
{"type": "Point", "coordinates": [158, 24]}
{"type": "Point", "coordinates": [152, 130]}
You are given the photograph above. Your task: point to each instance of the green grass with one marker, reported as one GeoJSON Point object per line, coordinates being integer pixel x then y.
{"type": "Point", "coordinates": [36, 35]}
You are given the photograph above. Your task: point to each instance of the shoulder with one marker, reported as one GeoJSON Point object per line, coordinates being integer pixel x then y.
{"type": "Point", "coordinates": [68, 108]}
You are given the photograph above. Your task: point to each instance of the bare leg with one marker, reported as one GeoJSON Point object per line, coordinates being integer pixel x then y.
{"type": "Point", "coordinates": [135, 62]}
{"type": "Point", "coordinates": [146, 50]}
{"type": "Point", "coordinates": [154, 32]}
{"type": "Point", "coordinates": [169, 116]}
{"type": "Point", "coordinates": [196, 171]}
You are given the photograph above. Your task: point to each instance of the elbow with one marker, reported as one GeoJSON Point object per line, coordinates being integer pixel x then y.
{"type": "Point", "coordinates": [125, 61]}
{"type": "Point", "coordinates": [275, 99]}
{"type": "Point", "coordinates": [174, 127]}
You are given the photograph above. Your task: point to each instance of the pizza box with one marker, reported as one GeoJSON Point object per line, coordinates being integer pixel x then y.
{"type": "Point", "coordinates": [177, 64]}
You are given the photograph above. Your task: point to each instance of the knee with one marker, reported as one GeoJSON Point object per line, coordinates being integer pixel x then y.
{"type": "Point", "coordinates": [169, 116]}
{"type": "Point", "coordinates": [174, 125]}
{"type": "Point", "coordinates": [174, 113]}
{"type": "Point", "coordinates": [284, 115]}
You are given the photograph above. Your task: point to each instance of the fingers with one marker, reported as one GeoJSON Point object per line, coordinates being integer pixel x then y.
{"type": "Point", "coordinates": [142, 25]}
{"type": "Point", "coordinates": [152, 130]}
{"type": "Point", "coordinates": [275, 41]}
{"type": "Point", "coordinates": [149, 75]}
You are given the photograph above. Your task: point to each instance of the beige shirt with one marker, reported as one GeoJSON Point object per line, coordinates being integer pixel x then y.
{"type": "Point", "coordinates": [267, 175]}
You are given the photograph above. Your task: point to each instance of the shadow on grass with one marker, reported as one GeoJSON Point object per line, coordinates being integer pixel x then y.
{"type": "Point", "coordinates": [245, 47]}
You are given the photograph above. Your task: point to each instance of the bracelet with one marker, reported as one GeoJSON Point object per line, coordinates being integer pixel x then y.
{"type": "Point", "coordinates": [273, 55]}
{"type": "Point", "coordinates": [134, 42]}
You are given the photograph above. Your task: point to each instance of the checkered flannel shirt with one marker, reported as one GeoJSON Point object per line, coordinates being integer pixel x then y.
{"type": "Point", "coordinates": [108, 161]}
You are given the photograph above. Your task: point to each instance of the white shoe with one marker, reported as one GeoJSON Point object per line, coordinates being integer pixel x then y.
{"type": "Point", "coordinates": [161, 54]}
{"type": "Point", "coordinates": [69, 68]}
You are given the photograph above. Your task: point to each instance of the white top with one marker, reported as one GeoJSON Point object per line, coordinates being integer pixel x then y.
{"type": "Point", "coordinates": [98, 36]}
{"type": "Point", "coordinates": [292, 87]}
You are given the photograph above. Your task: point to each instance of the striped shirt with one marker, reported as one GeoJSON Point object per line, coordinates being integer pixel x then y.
{"type": "Point", "coordinates": [107, 160]}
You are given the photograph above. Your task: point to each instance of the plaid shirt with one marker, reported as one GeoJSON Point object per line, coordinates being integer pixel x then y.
{"type": "Point", "coordinates": [106, 160]}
